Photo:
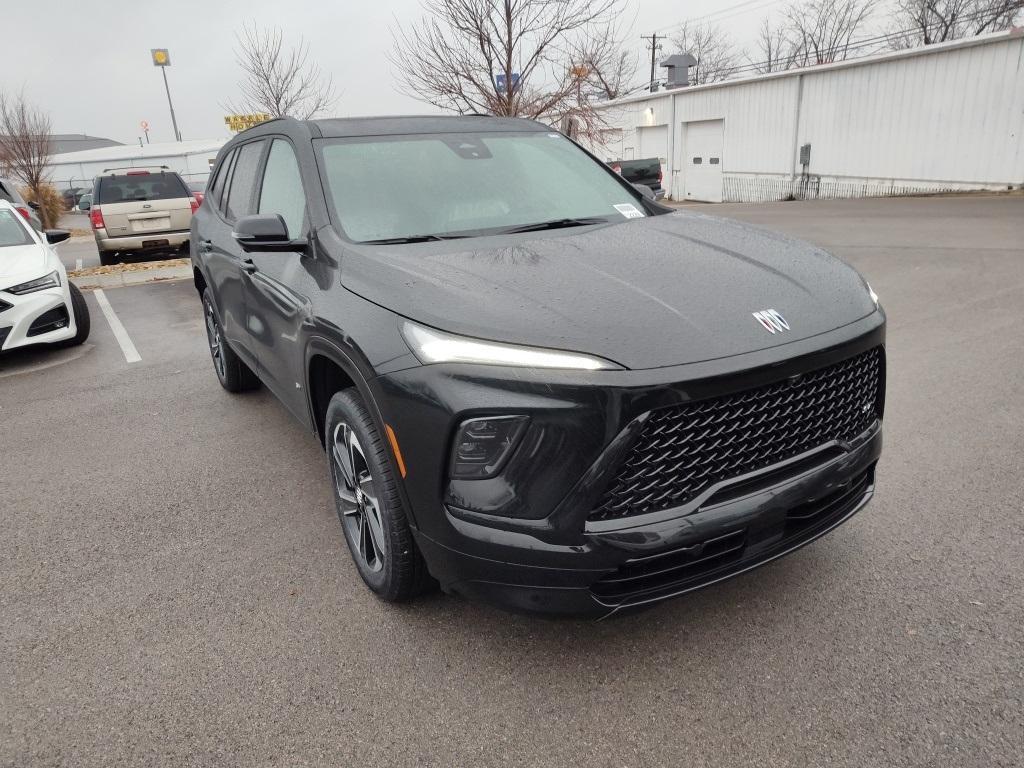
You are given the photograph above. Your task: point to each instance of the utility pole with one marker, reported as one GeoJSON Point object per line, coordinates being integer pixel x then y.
{"type": "Point", "coordinates": [655, 46]}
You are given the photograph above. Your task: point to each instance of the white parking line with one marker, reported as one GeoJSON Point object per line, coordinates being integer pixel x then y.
{"type": "Point", "coordinates": [78, 264]}
{"type": "Point", "coordinates": [131, 354]}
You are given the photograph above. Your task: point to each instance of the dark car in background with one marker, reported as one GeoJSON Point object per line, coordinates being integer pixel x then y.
{"type": "Point", "coordinates": [532, 383]}
{"type": "Point", "coordinates": [71, 197]}
{"type": "Point", "coordinates": [646, 172]}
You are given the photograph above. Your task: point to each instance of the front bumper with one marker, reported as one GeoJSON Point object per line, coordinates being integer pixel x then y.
{"type": "Point", "coordinates": [20, 312]}
{"type": "Point", "coordinates": [525, 540]}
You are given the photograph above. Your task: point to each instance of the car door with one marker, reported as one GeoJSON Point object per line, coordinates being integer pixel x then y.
{"type": "Point", "coordinates": [275, 303]}
{"type": "Point", "coordinates": [226, 263]}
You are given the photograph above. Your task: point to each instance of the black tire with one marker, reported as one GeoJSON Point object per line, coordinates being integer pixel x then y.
{"type": "Point", "coordinates": [108, 258]}
{"type": "Point", "coordinates": [400, 574]}
{"type": "Point", "coordinates": [232, 373]}
{"type": "Point", "coordinates": [80, 310]}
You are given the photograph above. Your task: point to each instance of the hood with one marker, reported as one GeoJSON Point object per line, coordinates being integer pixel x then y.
{"type": "Point", "coordinates": [645, 293]}
{"type": "Point", "coordinates": [21, 262]}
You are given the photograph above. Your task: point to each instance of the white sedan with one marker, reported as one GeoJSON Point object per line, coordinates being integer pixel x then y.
{"type": "Point", "coordinates": [38, 305]}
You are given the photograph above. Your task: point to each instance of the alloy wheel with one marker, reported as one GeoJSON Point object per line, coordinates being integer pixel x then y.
{"type": "Point", "coordinates": [358, 505]}
{"type": "Point", "coordinates": [216, 340]}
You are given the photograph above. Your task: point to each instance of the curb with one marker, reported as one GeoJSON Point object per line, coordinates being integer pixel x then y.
{"type": "Point", "coordinates": [137, 277]}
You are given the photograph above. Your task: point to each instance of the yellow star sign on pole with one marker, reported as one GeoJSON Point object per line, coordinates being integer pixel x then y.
{"type": "Point", "coordinates": [161, 58]}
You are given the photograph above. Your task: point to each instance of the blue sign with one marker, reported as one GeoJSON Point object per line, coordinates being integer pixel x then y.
{"type": "Point", "coordinates": [501, 84]}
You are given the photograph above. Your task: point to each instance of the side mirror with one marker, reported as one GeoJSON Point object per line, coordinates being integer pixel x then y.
{"type": "Point", "coordinates": [84, 205]}
{"type": "Point", "coordinates": [54, 236]}
{"type": "Point", "coordinates": [33, 205]}
{"type": "Point", "coordinates": [644, 190]}
{"type": "Point", "coordinates": [265, 232]}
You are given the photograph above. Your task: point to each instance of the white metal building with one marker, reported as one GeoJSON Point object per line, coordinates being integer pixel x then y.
{"type": "Point", "coordinates": [938, 118]}
{"type": "Point", "coordinates": [192, 159]}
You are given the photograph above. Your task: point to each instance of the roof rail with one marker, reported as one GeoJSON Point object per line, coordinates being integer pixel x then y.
{"type": "Point", "coordinates": [271, 120]}
{"type": "Point", "coordinates": [129, 167]}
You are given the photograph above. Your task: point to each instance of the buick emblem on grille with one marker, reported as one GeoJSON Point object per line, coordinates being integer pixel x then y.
{"type": "Point", "coordinates": [771, 320]}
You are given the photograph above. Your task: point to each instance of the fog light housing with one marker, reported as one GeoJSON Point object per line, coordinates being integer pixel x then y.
{"type": "Point", "coordinates": [483, 445]}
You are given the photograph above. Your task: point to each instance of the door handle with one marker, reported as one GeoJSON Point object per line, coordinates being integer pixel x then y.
{"type": "Point", "coordinates": [205, 246]}
{"type": "Point", "coordinates": [248, 266]}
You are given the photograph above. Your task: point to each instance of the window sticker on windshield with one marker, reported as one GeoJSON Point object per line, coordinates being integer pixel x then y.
{"type": "Point", "coordinates": [629, 210]}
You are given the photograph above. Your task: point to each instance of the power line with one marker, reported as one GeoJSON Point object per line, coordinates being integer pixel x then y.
{"type": "Point", "coordinates": [723, 13]}
{"type": "Point", "coordinates": [853, 45]}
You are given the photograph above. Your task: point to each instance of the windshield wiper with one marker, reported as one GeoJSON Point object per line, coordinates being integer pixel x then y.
{"type": "Point", "coordinates": [555, 224]}
{"type": "Point", "coordinates": [411, 239]}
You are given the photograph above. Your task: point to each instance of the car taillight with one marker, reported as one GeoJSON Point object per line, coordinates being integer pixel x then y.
{"type": "Point", "coordinates": [24, 212]}
{"type": "Point", "coordinates": [195, 203]}
{"type": "Point", "coordinates": [96, 218]}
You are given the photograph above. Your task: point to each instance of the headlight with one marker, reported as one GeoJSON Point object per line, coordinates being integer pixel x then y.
{"type": "Point", "coordinates": [51, 280]}
{"type": "Point", "coordinates": [482, 445]}
{"type": "Point", "coordinates": [871, 293]}
{"type": "Point", "coordinates": [432, 346]}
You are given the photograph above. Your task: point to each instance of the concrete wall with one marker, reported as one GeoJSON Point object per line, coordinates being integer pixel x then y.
{"type": "Point", "coordinates": [944, 117]}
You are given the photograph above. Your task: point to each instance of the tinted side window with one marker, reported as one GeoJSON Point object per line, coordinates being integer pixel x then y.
{"type": "Point", "coordinates": [220, 179]}
{"type": "Point", "coordinates": [282, 187]}
{"type": "Point", "coordinates": [243, 180]}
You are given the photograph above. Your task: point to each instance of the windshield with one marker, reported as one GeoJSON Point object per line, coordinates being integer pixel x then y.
{"type": "Point", "coordinates": [141, 186]}
{"type": "Point", "coordinates": [11, 230]}
{"type": "Point", "coordinates": [465, 184]}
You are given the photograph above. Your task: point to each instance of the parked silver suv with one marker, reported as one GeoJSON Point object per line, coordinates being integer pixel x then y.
{"type": "Point", "coordinates": [139, 210]}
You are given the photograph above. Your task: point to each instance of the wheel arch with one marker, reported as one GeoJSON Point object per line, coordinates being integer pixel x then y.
{"type": "Point", "coordinates": [330, 369]}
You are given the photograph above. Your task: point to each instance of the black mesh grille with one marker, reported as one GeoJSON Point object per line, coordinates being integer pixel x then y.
{"type": "Point", "coordinates": [683, 449]}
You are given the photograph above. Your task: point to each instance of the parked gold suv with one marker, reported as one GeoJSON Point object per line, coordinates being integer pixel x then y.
{"type": "Point", "coordinates": [137, 210]}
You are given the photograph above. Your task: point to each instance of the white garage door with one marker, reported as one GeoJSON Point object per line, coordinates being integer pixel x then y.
{"type": "Point", "coordinates": [702, 160]}
{"type": "Point", "coordinates": [653, 141]}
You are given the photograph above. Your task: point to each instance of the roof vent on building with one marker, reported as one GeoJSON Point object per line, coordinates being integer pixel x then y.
{"type": "Point", "coordinates": [678, 66]}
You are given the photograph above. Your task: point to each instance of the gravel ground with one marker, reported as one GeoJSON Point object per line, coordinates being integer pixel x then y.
{"type": "Point", "coordinates": [175, 591]}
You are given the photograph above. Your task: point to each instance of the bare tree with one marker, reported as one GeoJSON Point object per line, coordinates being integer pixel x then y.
{"type": "Point", "coordinates": [923, 22]}
{"type": "Point", "coordinates": [543, 59]}
{"type": "Point", "coordinates": [24, 141]}
{"type": "Point", "coordinates": [713, 49]}
{"type": "Point", "coordinates": [610, 68]}
{"type": "Point", "coordinates": [279, 80]}
{"type": "Point", "coordinates": [822, 30]}
{"type": "Point", "coordinates": [774, 50]}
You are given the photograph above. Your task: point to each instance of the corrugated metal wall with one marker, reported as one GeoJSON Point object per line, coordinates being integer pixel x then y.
{"type": "Point", "coordinates": [942, 118]}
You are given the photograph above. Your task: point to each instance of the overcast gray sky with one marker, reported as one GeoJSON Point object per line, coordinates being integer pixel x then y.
{"type": "Point", "coordinates": [88, 63]}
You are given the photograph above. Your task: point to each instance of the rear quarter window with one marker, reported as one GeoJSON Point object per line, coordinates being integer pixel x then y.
{"type": "Point", "coordinates": [141, 188]}
{"type": "Point", "coordinates": [220, 179]}
{"type": "Point", "coordinates": [12, 232]}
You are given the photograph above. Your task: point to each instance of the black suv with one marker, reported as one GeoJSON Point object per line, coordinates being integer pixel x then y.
{"type": "Point", "coordinates": [532, 383]}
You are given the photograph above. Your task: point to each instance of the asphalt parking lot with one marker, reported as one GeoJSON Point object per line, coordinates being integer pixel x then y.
{"type": "Point", "coordinates": [175, 589]}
